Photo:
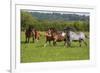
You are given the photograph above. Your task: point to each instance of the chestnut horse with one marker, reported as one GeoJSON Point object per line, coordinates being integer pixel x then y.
{"type": "Point", "coordinates": [37, 34]}
{"type": "Point", "coordinates": [58, 36]}
{"type": "Point", "coordinates": [53, 35]}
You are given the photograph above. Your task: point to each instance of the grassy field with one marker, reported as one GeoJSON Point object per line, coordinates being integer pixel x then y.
{"type": "Point", "coordinates": [36, 52]}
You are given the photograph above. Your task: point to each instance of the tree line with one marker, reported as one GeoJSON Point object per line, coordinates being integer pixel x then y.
{"type": "Point", "coordinates": [61, 16]}
{"type": "Point", "coordinates": [27, 19]}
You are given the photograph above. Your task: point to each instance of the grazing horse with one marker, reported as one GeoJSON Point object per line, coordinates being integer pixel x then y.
{"type": "Point", "coordinates": [72, 36]}
{"type": "Point", "coordinates": [55, 36]}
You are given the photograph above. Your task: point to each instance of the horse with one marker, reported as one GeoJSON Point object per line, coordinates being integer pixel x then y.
{"type": "Point", "coordinates": [53, 35]}
{"type": "Point", "coordinates": [58, 36]}
{"type": "Point", "coordinates": [37, 35]}
{"type": "Point", "coordinates": [72, 36]}
{"type": "Point", "coordinates": [31, 32]}
{"type": "Point", "coordinates": [28, 34]}
{"type": "Point", "coordinates": [48, 36]}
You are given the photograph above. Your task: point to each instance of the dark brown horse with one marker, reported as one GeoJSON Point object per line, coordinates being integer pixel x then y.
{"type": "Point", "coordinates": [28, 34]}
{"type": "Point", "coordinates": [31, 33]}
{"type": "Point", "coordinates": [53, 35]}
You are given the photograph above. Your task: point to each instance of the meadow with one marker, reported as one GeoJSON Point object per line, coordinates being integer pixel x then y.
{"type": "Point", "coordinates": [36, 52]}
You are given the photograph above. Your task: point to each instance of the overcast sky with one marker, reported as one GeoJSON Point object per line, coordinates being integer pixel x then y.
{"type": "Point", "coordinates": [61, 12]}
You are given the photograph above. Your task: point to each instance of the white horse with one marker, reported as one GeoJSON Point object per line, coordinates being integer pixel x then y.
{"type": "Point", "coordinates": [80, 37]}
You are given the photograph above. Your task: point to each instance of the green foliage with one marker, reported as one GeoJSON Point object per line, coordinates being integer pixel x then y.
{"type": "Point", "coordinates": [27, 19]}
{"type": "Point", "coordinates": [81, 26]}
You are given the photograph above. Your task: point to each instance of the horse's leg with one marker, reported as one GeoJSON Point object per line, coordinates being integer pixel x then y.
{"type": "Point", "coordinates": [28, 39]}
{"type": "Point", "coordinates": [85, 42]}
{"type": "Point", "coordinates": [54, 42]}
{"type": "Point", "coordinates": [33, 39]}
{"type": "Point", "coordinates": [68, 43]}
{"type": "Point", "coordinates": [49, 42]}
{"type": "Point", "coordinates": [45, 43]}
{"type": "Point", "coordinates": [65, 43]}
{"type": "Point", "coordinates": [80, 42]}
{"type": "Point", "coordinates": [36, 40]}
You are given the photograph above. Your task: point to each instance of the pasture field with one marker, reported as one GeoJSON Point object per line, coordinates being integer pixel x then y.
{"type": "Point", "coordinates": [36, 52]}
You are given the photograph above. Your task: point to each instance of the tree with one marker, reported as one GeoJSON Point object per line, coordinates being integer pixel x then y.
{"type": "Point", "coordinates": [27, 20]}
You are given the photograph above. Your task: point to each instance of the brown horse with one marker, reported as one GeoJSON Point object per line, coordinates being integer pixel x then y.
{"type": "Point", "coordinates": [58, 36]}
{"type": "Point", "coordinates": [55, 36]}
{"type": "Point", "coordinates": [31, 32]}
{"type": "Point", "coordinates": [48, 36]}
{"type": "Point", "coordinates": [37, 34]}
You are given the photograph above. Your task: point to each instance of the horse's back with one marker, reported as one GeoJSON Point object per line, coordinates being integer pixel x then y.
{"type": "Point", "coordinates": [82, 35]}
{"type": "Point", "coordinates": [77, 36]}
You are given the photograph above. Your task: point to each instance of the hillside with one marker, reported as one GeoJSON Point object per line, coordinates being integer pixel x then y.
{"type": "Point", "coordinates": [59, 16]}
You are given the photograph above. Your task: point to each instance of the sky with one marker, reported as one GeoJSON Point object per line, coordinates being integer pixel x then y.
{"type": "Point", "coordinates": [61, 12]}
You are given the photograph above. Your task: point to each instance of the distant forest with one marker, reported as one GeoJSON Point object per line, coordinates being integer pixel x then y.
{"type": "Point", "coordinates": [42, 21]}
{"type": "Point", "coordinates": [59, 16]}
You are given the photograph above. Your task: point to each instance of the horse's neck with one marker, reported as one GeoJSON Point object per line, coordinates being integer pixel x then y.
{"type": "Point", "coordinates": [73, 34]}
{"type": "Point", "coordinates": [76, 33]}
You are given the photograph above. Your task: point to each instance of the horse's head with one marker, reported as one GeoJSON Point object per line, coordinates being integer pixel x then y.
{"type": "Point", "coordinates": [30, 27]}
{"type": "Point", "coordinates": [69, 29]}
{"type": "Point", "coordinates": [53, 30]}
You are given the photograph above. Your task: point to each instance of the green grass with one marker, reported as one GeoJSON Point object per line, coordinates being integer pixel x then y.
{"type": "Point", "coordinates": [36, 52]}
